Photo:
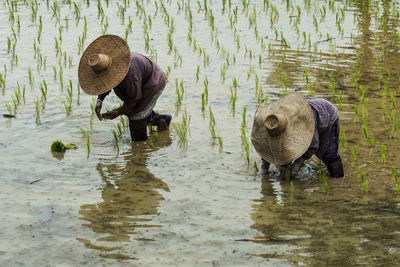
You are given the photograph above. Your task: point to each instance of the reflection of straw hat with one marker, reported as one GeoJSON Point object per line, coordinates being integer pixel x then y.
{"type": "Point", "coordinates": [104, 64]}
{"type": "Point", "coordinates": [283, 130]}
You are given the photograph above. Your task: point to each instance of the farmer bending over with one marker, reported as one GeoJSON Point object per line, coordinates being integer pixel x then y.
{"type": "Point", "coordinates": [292, 129]}
{"type": "Point", "coordinates": [107, 64]}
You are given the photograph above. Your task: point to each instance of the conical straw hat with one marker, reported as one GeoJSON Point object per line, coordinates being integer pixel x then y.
{"type": "Point", "coordinates": [283, 130]}
{"type": "Point", "coordinates": [104, 64]}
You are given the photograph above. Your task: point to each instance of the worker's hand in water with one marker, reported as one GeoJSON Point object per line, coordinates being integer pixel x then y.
{"type": "Point", "coordinates": [284, 171]}
{"type": "Point", "coordinates": [97, 109]}
{"type": "Point", "coordinates": [110, 115]}
{"type": "Point", "coordinates": [294, 168]}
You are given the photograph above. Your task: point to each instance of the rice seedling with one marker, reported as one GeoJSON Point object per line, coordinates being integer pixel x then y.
{"type": "Point", "coordinates": [8, 106]}
{"type": "Point", "coordinates": [395, 174]}
{"type": "Point", "coordinates": [220, 143]}
{"type": "Point", "coordinates": [354, 153]}
{"type": "Point", "coordinates": [383, 158]}
{"type": "Point", "coordinates": [365, 125]}
{"type": "Point", "coordinates": [43, 89]}
{"type": "Point", "coordinates": [93, 104]}
{"type": "Point", "coordinates": [181, 129]}
{"type": "Point", "coordinates": [116, 140]}
{"type": "Point", "coordinates": [180, 90]}
{"type": "Point", "coordinates": [244, 123]}
{"type": "Point", "coordinates": [321, 175]}
{"type": "Point", "coordinates": [212, 124]}
{"type": "Point", "coordinates": [291, 187]}
{"type": "Point", "coordinates": [364, 183]}
{"type": "Point", "coordinates": [326, 187]}
{"type": "Point", "coordinates": [88, 144]}
{"type": "Point", "coordinates": [67, 104]}
{"type": "Point", "coordinates": [205, 83]}
{"type": "Point", "coordinates": [60, 76]}
{"type": "Point", "coordinates": [37, 110]}
{"type": "Point", "coordinates": [246, 146]}
{"type": "Point", "coordinates": [31, 79]}
{"type": "Point", "coordinates": [255, 166]}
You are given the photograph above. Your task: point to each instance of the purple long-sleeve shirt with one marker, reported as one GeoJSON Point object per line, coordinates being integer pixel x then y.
{"type": "Point", "coordinates": [143, 80]}
{"type": "Point", "coordinates": [325, 115]}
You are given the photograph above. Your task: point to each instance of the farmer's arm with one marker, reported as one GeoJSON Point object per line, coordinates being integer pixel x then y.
{"type": "Point", "coordinates": [134, 91]}
{"type": "Point", "coordinates": [99, 104]}
{"type": "Point", "coordinates": [103, 96]}
{"type": "Point", "coordinates": [314, 146]}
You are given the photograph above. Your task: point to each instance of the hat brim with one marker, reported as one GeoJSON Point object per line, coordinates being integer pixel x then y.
{"type": "Point", "coordinates": [295, 140]}
{"type": "Point", "coordinates": [118, 50]}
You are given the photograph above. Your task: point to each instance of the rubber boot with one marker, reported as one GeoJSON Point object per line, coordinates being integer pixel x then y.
{"type": "Point", "coordinates": [265, 165]}
{"type": "Point", "coordinates": [335, 167]}
{"type": "Point", "coordinates": [161, 121]}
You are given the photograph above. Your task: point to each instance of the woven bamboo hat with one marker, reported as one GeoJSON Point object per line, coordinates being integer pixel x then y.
{"type": "Point", "coordinates": [104, 64]}
{"type": "Point", "coordinates": [283, 130]}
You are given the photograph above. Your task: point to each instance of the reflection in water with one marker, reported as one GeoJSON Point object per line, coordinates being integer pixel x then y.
{"type": "Point", "coordinates": [327, 231]}
{"type": "Point", "coordinates": [129, 195]}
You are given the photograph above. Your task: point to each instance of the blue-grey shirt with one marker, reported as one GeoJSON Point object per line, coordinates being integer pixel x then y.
{"type": "Point", "coordinates": [325, 115]}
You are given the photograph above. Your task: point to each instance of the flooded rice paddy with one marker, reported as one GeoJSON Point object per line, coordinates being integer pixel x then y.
{"type": "Point", "coordinates": [194, 196]}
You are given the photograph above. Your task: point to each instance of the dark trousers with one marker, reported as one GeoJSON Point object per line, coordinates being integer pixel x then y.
{"type": "Point", "coordinates": [138, 128]}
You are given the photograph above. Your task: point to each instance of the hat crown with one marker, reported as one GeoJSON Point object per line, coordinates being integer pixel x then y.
{"type": "Point", "coordinates": [99, 63]}
{"type": "Point", "coordinates": [275, 124]}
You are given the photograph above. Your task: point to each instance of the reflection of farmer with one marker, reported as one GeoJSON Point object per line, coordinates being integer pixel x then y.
{"type": "Point", "coordinates": [131, 193]}
{"type": "Point", "coordinates": [292, 129]}
{"type": "Point", "coordinates": [108, 64]}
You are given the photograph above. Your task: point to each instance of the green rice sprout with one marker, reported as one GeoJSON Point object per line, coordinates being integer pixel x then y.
{"type": "Point", "coordinates": [393, 98]}
{"type": "Point", "coordinates": [365, 125]}
{"type": "Point", "coordinates": [212, 124]}
{"type": "Point", "coordinates": [43, 89]}
{"type": "Point", "coordinates": [326, 187]}
{"type": "Point", "coordinates": [321, 175]}
{"type": "Point", "coordinates": [255, 166]}
{"type": "Point", "coordinates": [365, 186]}
{"type": "Point", "coordinates": [342, 137]}
{"type": "Point", "coordinates": [291, 187]}
{"type": "Point", "coordinates": [203, 102]}
{"type": "Point", "coordinates": [181, 129]}
{"type": "Point", "coordinates": [221, 144]}
{"type": "Point", "coordinates": [354, 153]}
{"type": "Point", "coordinates": [394, 120]}
{"type": "Point", "coordinates": [244, 123]}
{"type": "Point", "coordinates": [37, 110]}
{"type": "Point", "coordinates": [383, 154]}
{"type": "Point", "coordinates": [93, 104]}
{"type": "Point", "coordinates": [116, 140]}
{"type": "Point", "coordinates": [371, 141]}
{"type": "Point", "coordinates": [205, 82]}
{"type": "Point", "coordinates": [61, 75]}
{"type": "Point", "coordinates": [233, 99]}
{"type": "Point", "coordinates": [246, 147]}
{"type": "Point", "coordinates": [31, 79]}
{"type": "Point", "coordinates": [8, 106]}
{"type": "Point", "coordinates": [83, 131]}
{"type": "Point", "coordinates": [88, 143]}
{"type": "Point", "coordinates": [395, 174]}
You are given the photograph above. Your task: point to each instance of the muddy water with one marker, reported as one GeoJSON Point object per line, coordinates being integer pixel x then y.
{"type": "Point", "coordinates": [161, 204]}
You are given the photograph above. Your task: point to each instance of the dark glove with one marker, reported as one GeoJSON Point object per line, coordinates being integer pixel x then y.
{"type": "Point", "coordinates": [284, 171]}
{"type": "Point", "coordinates": [110, 115]}
{"type": "Point", "coordinates": [97, 109]}
{"type": "Point", "coordinates": [294, 168]}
